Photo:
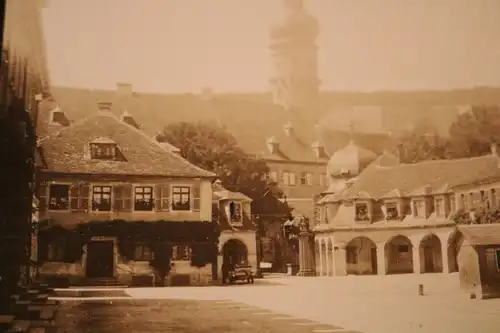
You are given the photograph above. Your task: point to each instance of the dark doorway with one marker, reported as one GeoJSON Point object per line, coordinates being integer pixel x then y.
{"type": "Point", "coordinates": [373, 256]}
{"type": "Point", "coordinates": [100, 259]}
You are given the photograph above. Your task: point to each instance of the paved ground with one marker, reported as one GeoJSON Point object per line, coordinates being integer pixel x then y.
{"type": "Point", "coordinates": [369, 304]}
{"type": "Point", "coordinates": [177, 316]}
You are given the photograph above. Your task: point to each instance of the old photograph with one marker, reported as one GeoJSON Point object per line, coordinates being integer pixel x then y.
{"type": "Point", "coordinates": [250, 166]}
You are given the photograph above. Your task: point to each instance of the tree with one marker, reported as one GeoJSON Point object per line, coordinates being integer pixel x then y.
{"type": "Point", "coordinates": [473, 132]}
{"type": "Point", "coordinates": [209, 146]}
{"type": "Point", "coordinates": [421, 144]}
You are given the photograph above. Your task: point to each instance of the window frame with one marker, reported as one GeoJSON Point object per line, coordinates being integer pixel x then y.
{"type": "Point", "coordinates": [416, 212]}
{"type": "Point", "coordinates": [442, 205]}
{"type": "Point", "coordinates": [190, 193]}
{"type": "Point", "coordinates": [323, 180]}
{"type": "Point", "coordinates": [110, 197]}
{"type": "Point", "coordinates": [236, 221]}
{"type": "Point", "coordinates": [187, 249]}
{"type": "Point", "coordinates": [143, 256]}
{"type": "Point", "coordinates": [367, 207]}
{"type": "Point", "coordinates": [391, 205]}
{"type": "Point", "coordinates": [134, 193]}
{"type": "Point", "coordinates": [103, 157]}
{"type": "Point", "coordinates": [49, 196]}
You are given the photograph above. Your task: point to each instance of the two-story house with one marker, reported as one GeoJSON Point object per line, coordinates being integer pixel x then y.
{"type": "Point", "coordinates": [382, 217]}
{"type": "Point", "coordinates": [116, 206]}
{"type": "Point", "coordinates": [238, 239]}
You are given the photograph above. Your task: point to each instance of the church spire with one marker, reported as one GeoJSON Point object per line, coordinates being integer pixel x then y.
{"type": "Point", "coordinates": [295, 82]}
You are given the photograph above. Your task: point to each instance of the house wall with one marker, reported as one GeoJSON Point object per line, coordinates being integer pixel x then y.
{"type": "Point", "coordinates": [82, 214]}
{"type": "Point", "coordinates": [124, 270]}
{"type": "Point", "coordinates": [468, 267]}
{"type": "Point", "coordinates": [300, 191]}
{"type": "Point", "coordinates": [490, 274]}
{"type": "Point", "coordinates": [494, 200]}
{"type": "Point", "coordinates": [246, 237]}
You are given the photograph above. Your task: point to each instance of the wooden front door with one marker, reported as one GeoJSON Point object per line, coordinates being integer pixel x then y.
{"type": "Point", "coordinates": [100, 259]}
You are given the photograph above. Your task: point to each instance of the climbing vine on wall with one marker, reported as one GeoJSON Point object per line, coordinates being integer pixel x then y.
{"type": "Point", "coordinates": [159, 235]}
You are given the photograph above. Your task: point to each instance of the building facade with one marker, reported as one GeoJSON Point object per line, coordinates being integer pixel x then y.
{"type": "Point", "coordinates": [238, 237]}
{"type": "Point", "coordinates": [382, 217]}
{"type": "Point", "coordinates": [24, 80]}
{"type": "Point", "coordinates": [117, 207]}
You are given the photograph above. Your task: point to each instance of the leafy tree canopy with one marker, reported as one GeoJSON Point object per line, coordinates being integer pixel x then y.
{"type": "Point", "coordinates": [471, 134]}
{"type": "Point", "coordinates": [209, 146]}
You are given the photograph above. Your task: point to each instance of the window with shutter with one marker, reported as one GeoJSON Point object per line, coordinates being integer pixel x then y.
{"type": "Point", "coordinates": [74, 197]}
{"type": "Point", "coordinates": [165, 197]}
{"type": "Point", "coordinates": [118, 197]}
{"type": "Point", "coordinates": [127, 197]}
{"type": "Point", "coordinates": [246, 212]}
{"type": "Point", "coordinates": [84, 197]}
{"type": "Point", "coordinates": [157, 198]}
{"type": "Point", "coordinates": [196, 198]}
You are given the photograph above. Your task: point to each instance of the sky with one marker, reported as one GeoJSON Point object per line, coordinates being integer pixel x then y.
{"type": "Point", "coordinates": [189, 45]}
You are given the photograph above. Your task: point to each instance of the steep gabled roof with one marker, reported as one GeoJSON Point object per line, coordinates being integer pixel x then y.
{"type": "Point", "coordinates": [407, 178]}
{"type": "Point", "coordinates": [64, 151]}
{"type": "Point", "coordinates": [482, 234]}
{"type": "Point", "coordinates": [250, 118]}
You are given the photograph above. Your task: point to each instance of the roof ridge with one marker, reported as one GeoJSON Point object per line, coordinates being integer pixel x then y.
{"type": "Point", "coordinates": [449, 161]}
{"type": "Point", "coordinates": [76, 123]}
{"type": "Point", "coordinates": [158, 144]}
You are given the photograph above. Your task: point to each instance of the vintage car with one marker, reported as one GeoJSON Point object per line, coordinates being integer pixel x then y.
{"type": "Point", "coordinates": [240, 273]}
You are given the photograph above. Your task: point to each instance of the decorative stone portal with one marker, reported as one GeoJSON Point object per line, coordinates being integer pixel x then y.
{"type": "Point", "coordinates": [431, 257]}
{"type": "Point", "coordinates": [361, 256]}
{"type": "Point", "coordinates": [399, 253]}
{"type": "Point", "coordinates": [235, 252]}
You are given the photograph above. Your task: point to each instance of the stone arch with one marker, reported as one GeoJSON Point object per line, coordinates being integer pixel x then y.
{"type": "Point", "coordinates": [234, 252]}
{"type": "Point", "coordinates": [399, 254]}
{"type": "Point", "coordinates": [454, 243]}
{"type": "Point", "coordinates": [431, 257]}
{"type": "Point", "coordinates": [361, 256]}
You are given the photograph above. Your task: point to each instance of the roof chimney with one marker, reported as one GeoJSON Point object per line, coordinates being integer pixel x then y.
{"type": "Point", "coordinates": [129, 119]}
{"type": "Point", "coordinates": [273, 145]}
{"type": "Point", "coordinates": [124, 88]}
{"type": "Point", "coordinates": [104, 107]}
{"type": "Point", "coordinates": [319, 149]}
{"type": "Point", "coordinates": [288, 127]}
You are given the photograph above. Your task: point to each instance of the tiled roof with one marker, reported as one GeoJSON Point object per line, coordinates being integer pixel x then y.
{"type": "Point", "coordinates": [483, 234]}
{"type": "Point", "coordinates": [64, 151]}
{"type": "Point", "coordinates": [250, 118]}
{"type": "Point", "coordinates": [221, 193]}
{"type": "Point", "coordinates": [377, 181]}
{"type": "Point", "coordinates": [352, 159]}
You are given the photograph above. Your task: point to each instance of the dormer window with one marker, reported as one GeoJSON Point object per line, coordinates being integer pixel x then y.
{"type": "Point", "coordinates": [439, 207]}
{"type": "Point", "coordinates": [391, 211]}
{"type": "Point", "coordinates": [361, 210]}
{"type": "Point", "coordinates": [103, 149]}
{"type": "Point", "coordinates": [235, 214]}
{"type": "Point", "coordinates": [419, 208]}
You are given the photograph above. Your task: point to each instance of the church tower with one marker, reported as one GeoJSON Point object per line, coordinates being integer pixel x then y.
{"type": "Point", "coordinates": [295, 82]}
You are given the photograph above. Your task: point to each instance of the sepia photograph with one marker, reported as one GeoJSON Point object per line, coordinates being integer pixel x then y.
{"type": "Point", "coordinates": [250, 166]}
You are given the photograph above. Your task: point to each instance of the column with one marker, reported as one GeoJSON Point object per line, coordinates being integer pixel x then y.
{"type": "Point", "coordinates": [444, 257]}
{"type": "Point", "coordinates": [327, 255]}
{"type": "Point", "coordinates": [320, 258]}
{"type": "Point", "coordinates": [340, 261]}
{"type": "Point", "coordinates": [381, 261]}
{"type": "Point", "coordinates": [332, 262]}
{"type": "Point", "coordinates": [305, 254]}
{"type": "Point", "coordinates": [416, 259]}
